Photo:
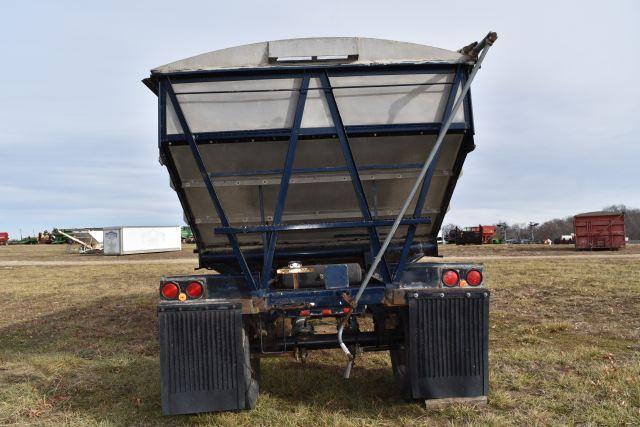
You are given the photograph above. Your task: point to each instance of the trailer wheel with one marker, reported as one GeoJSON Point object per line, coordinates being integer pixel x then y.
{"type": "Point", "coordinates": [399, 362]}
{"type": "Point", "coordinates": [251, 374]}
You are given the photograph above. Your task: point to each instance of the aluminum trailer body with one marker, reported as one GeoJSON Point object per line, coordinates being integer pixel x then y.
{"type": "Point", "coordinates": [293, 161]}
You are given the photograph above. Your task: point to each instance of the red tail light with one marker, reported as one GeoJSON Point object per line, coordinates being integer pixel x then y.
{"type": "Point", "coordinates": [194, 290]}
{"type": "Point", "coordinates": [304, 313]}
{"type": "Point", "coordinates": [170, 290]}
{"type": "Point", "coordinates": [474, 277]}
{"type": "Point", "coordinates": [450, 278]}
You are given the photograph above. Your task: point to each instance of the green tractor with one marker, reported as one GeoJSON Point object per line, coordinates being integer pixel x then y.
{"type": "Point", "coordinates": [187, 235]}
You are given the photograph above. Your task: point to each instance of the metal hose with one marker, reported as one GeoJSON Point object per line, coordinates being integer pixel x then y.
{"type": "Point", "coordinates": [486, 43]}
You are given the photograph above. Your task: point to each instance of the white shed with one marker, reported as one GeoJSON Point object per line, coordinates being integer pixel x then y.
{"type": "Point", "coordinates": [122, 240]}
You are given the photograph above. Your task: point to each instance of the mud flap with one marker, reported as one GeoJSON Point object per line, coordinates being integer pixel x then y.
{"type": "Point", "coordinates": [202, 359]}
{"type": "Point", "coordinates": [448, 336]}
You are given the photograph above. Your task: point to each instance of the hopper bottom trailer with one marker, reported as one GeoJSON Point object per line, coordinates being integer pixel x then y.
{"type": "Point", "coordinates": [338, 158]}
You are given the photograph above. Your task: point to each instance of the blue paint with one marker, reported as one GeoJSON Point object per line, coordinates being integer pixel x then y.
{"type": "Point", "coordinates": [269, 252]}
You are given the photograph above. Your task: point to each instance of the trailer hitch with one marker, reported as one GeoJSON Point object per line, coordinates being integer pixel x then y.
{"type": "Point", "coordinates": [479, 48]}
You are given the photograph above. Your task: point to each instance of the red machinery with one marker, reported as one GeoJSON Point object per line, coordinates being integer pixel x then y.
{"type": "Point", "coordinates": [4, 238]}
{"type": "Point", "coordinates": [478, 235]}
{"type": "Point", "coordinates": [599, 230]}
{"type": "Point", "coordinates": [487, 232]}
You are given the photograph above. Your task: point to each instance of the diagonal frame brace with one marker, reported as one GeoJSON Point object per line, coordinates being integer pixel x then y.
{"type": "Point", "coordinates": [426, 183]}
{"type": "Point", "coordinates": [233, 240]}
{"type": "Point", "coordinates": [484, 47]}
{"type": "Point", "coordinates": [353, 171]}
{"type": "Point", "coordinates": [272, 237]}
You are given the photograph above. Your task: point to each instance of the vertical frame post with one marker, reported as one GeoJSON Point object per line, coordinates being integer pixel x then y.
{"type": "Point", "coordinates": [233, 240]}
{"type": "Point", "coordinates": [162, 113]}
{"type": "Point", "coordinates": [265, 240]}
{"type": "Point", "coordinates": [167, 160]}
{"type": "Point", "coordinates": [353, 171]}
{"type": "Point", "coordinates": [426, 183]}
{"type": "Point", "coordinates": [272, 237]}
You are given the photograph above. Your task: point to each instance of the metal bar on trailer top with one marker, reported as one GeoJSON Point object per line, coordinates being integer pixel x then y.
{"type": "Point", "coordinates": [353, 171]}
{"type": "Point", "coordinates": [317, 226]}
{"type": "Point", "coordinates": [272, 237]}
{"type": "Point", "coordinates": [209, 184]}
{"type": "Point", "coordinates": [426, 183]}
{"type": "Point", "coordinates": [218, 92]}
{"type": "Point", "coordinates": [292, 71]}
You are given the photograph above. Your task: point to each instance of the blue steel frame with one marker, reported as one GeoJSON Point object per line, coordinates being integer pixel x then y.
{"type": "Point", "coordinates": [374, 238]}
{"type": "Point", "coordinates": [411, 232]}
{"type": "Point", "coordinates": [233, 241]}
{"type": "Point", "coordinates": [270, 232]}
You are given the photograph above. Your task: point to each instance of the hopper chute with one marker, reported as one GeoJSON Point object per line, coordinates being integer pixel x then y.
{"type": "Point", "coordinates": [308, 147]}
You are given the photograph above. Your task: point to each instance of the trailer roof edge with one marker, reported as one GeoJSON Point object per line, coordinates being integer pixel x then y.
{"type": "Point", "coordinates": [315, 51]}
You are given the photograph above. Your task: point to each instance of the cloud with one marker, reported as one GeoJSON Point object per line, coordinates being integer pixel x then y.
{"type": "Point", "coordinates": [555, 104]}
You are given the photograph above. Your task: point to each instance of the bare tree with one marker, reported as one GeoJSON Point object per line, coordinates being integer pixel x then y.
{"type": "Point", "coordinates": [631, 219]}
{"type": "Point", "coordinates": [448, 228]}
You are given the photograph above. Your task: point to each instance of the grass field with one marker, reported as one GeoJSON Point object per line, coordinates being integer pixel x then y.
{"type": "Point", "coordinates": [78, 345]}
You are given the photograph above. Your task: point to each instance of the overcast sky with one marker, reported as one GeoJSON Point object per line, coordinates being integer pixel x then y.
{"type": "Point", "coordinates": [557, 103]}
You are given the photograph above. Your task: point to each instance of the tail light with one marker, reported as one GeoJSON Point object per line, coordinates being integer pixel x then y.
{"type": "Point", "coordinates": [474, 277]}
{"type": "Point", "coordinates": [194, 290]}
{"type": "Point", "coordinates": [170, 290]}
{"type": "Point", "coordinates": [450, 278]}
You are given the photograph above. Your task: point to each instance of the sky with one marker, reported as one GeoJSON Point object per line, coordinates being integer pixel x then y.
{"type": "Point", "coordinates": [556, 104]}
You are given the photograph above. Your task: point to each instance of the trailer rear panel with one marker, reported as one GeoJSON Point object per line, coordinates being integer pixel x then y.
{"type": "Point", "coordinates": [293, 161]}
{"type": "Point", "coordinates": [599, 230]}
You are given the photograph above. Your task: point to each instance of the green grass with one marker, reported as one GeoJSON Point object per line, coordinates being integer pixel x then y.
{"type": "Point", "coordinates": [78, 346]}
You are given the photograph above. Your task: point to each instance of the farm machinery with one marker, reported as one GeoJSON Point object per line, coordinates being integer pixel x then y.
{"type": "Point", "coordinates": [315, 174]}
{"type": "Point", "coordinates": [187, 235]}
{"type": "Point", "coordinates": [478, 235]}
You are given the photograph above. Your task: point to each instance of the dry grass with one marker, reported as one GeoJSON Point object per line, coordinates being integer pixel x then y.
{"type": "Point", "coordinates": [530, 250]}
{"type": "Point", "coordinates": [78, 346]}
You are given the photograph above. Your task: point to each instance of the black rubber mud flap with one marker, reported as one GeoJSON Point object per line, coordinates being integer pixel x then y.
{"type": "Point", "coordinates": [448, 344]}
{"type": "Point", "coordinates": [204, 359]}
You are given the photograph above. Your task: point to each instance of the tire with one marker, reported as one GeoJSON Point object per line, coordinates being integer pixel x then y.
{"type": "Point", "coordinates": [251, 374]}
{"type": "Point", "coordinates": [399, 366]}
